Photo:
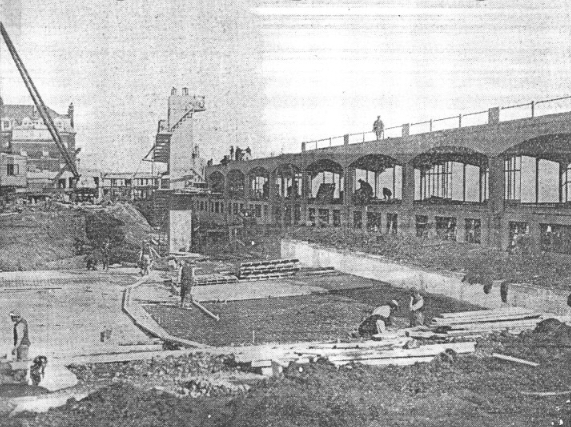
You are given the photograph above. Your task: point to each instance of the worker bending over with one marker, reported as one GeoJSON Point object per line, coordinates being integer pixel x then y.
{"type": "Point", "coordinates": [380, 318]}
{"type": "Point", "coordinates": [416, 307]}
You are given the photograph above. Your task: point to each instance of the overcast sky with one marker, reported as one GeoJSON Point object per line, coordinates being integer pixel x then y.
{"type": "Point", "coordinates": [276, 75]}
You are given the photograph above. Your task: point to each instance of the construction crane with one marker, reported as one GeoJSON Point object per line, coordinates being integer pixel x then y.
{"type": "Point", "coordinates": [42, 109]}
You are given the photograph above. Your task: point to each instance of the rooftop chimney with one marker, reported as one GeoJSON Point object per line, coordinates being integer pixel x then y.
{"type": "Point", "coordinates": [185, 91]}
{"type": "Point", "coordinates": [173, 91]}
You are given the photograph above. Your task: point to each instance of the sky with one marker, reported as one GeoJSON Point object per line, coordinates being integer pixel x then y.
{"type": "Point", "coordinates": [277, 73]}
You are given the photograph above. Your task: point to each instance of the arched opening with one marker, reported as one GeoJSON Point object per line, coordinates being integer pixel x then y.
{"type": "Point", "coordinates": [236, 183]}
{"type": "Point", "coordinates": [216, 183]}
{"type": "Point", "coordinates": [288, 182]}
{"type": "Point", "coordinates": [259, 180]}
{"type": "Point", "coordinates": [451, 175]}
{"type": "Point", "coordinates": [538, 171]}
{"type": "Point", "coordinates": [378, 179]}
{"type": "Point", "coordinates": [325, 181]}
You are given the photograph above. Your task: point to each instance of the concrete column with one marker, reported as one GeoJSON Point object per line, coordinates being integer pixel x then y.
{"type": "Point", "coordinates": [304, 195]}
{"type": "Point", "coordinates": [349, 178]}
{"type": "Point", "coordinates": [494, 116]}
{"type": "Point", "coordinates": [405, 130]}
{"type": "Point", "coordinates": [496, 201]}
{"type": "Point", "coordinates": [273, 201]}
{"type": "Point", "coordinates": [406, 218]}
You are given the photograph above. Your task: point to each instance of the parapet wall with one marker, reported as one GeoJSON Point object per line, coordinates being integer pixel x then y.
{"type": "Point", "coordinates": [370, 266]}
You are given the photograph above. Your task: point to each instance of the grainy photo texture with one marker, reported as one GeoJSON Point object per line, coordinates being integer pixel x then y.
{"type": "Point", "coordinates": [283, 213]}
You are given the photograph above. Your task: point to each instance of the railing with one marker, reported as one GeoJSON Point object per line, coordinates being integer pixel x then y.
{"type": "Point", "coordinates": [510, 112]}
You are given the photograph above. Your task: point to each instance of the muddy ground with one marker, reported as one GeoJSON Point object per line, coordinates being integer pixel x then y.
{"type": "Point", "coordinates": [471, 391]}
{"type": "Point", "coordinates": [330, 316]}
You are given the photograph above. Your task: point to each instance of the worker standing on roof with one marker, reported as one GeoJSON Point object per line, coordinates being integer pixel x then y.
{"type": "Point", "coordinates": [21, 339]}
{"type": "Point", "coordinates": [379, 128]}
{"type": "Point", "coordinates": [380, 318]}
{"type": "Point", "coordinates": [416, 307]}
{"type": "Point", "coordinates": [186, 282]}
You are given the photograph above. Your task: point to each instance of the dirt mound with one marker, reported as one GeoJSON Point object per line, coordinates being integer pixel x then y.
{"type": "Point", "coordinates": [31, 239]}
{"type": "Point", "coordinates": [118, 404]}
{"type": "Point", "coordinates": [134, 225]}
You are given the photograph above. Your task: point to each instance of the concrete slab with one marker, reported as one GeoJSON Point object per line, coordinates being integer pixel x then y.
{"type": "Point", "coordinates": [252, 290]}
{"type": "Point", "coordinates": [68, 320]}
{"type": "Point", "coordinates": [58, 377]}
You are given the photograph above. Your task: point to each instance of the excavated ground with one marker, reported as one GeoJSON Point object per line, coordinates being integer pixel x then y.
{"type": "Point", "coordinates": [472, 391]}
{"type": "Point", "coordinates": [334, 315]}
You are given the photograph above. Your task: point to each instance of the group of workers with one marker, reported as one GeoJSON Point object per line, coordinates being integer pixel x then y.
{"type": "Point", "coordinates": [383, 316]}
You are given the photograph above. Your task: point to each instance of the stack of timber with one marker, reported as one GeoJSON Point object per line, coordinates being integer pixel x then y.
{"type": "Point", "coordinates": [318, 271]}
{"type": "Point", "coordinates": [271, 269]}
{"type": "Point", "coordinates": [214, 279]}
{"type": "Point", "coordinates": [271, 360]}
{"type": "Point", "coordinates": [466, 323]}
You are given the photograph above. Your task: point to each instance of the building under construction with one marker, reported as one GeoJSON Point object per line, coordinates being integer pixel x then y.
{"type": "Point", "coordinates": [488, 180]}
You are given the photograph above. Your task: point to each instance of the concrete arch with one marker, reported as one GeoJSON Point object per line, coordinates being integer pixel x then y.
{"type": "Point", "coordinates": [216, 182]}
{"type": "Point", "coordinates": [324, 165]}
{"type": "Point", "coordinates": [449, 153]}
{"type": "Point", "coordinates": [553, 147]}
{"type": "Point", "coordinates": [236, 182]}
{"type": "Point", "coordinates": [258, 171]}
{"type": "Point", "coordinates": [374, 162]}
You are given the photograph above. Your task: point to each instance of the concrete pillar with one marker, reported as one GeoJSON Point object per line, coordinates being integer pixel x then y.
{"type": "Point", "coordinates": [272, 197]}
{"type": "Point", "coordinates": [494, 116]}
{"type": "Point", "coordinates": [405, 130]}
{"type": "Point", "coordinates": [406, 220]}
{"type": "Point", "coordinates": [349, 178]}
{"type": "Point", "coordinates": [496, 201]}
{"type": "Point", "coordinates": [180, 223]}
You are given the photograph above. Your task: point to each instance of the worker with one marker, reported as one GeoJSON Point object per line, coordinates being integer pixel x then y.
{"type": "Point", "coordinates": [21, 339]}
{"type": "Point", "coordinates": [186, 282]}
{"type": "Point", "coordinates": [378, 320]}
{"type": "Point", "coordinates": [416, 307]}
{"type": "Point", "coordinates": [38, 369]}
{"type": "Point", "coordinates": [379, 128]}
{"type": "Point", "coordinates": [145, 258]}
{"type": "Point", "coordinates": [106, 254]}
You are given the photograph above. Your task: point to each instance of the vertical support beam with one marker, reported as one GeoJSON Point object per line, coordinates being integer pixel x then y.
{"type": "Point", "coordinates": [376, 184]}
{"type": "Point", "coordinates": [272, 196]}
{"type": "Point", "coordinates": [536, 180]}
{"type": "Point", "coordinates": [459, 120]}
{"type": "Point", "coordinates": [406, 220]}
{"type": "Point", "coordinates": [562, 169]}
{"type": "Point", "coordinates": [532, 109]}
{"type": "Point", "coordinates": [463, 182]}
{"type": "Point", "coordinates": [304, 195]}
{"type": "Point", "coordinates": [494, 116]}
{"type": "Point", "coordinates": [496, 201]}
{"type": "Point", "coordinates": [405, 130]}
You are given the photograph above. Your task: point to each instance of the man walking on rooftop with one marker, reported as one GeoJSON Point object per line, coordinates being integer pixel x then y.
{"type": "Point", "coordinates": [379, 128]}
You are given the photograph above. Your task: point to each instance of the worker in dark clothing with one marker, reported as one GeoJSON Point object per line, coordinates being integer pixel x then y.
{"type": "Point", "coordinates": [380, 318]}
{"type": "Point", "coordinates": [186, 282]}
{"type": "Point", "coordinates": [379, 128]}
{"type": "Point", "coordinates": [38, 369]}
{"type": "Point", "coordinates": [364, 193]}
{"type": "Point", "coordinates": [21, 339]}
{"type": "Point", "coordinates": [106, 254]}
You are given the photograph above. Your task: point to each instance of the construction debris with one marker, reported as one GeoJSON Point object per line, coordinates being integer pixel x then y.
{"type": "Point", "coordinates": [271, 269]}
{"type": "Point", "coordinates": [390, 352]}
{"type": "Point", "coordinates": [468, 323]}
{"type": "Point", "coordinates": [514, 359]}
